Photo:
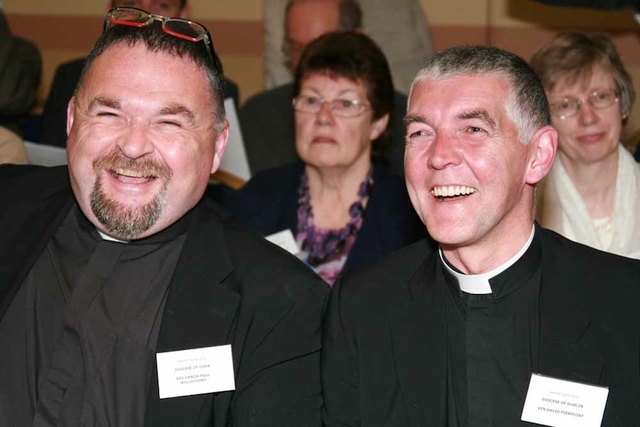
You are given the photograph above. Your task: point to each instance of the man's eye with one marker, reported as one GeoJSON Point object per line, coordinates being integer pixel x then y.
{"type": "Point", "coordinates": [170, 123]}
{"type": "Point", "coordinates": [475, 129]}
{"type": "Point", "coordinates": [106, 114]}
{"type": "Point", "coordinates": [416, 134]}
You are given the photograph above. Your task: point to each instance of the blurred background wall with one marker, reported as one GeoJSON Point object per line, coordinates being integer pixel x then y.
{"type": "Point", "coordinates": [66, 30]}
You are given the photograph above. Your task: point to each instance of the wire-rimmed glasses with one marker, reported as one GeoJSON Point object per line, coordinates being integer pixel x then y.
{"type": "Point", "coordinates": [570, 106]}
{"type": "Point", "coordinates": [339, 107]}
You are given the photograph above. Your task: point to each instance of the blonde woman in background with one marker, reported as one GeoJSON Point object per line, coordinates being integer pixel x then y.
{"type": "Point", "coordinates": [592, 194]}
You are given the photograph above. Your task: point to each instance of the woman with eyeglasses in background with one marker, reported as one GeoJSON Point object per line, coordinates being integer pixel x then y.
{"type": "Point", "coordinates": [338, 208]}
{"type": "Point", "coordinates": [592, 194]}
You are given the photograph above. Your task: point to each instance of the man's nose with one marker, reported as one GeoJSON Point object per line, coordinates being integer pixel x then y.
{"type": "Point", "coordinates": [135, 143]}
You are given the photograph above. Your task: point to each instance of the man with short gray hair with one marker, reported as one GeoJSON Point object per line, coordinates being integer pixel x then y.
{"type": "Point", "coordinates": [504, 323]}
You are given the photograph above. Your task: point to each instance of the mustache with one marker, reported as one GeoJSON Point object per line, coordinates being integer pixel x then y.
{"type": "Point", "coordinates": [144, 167]}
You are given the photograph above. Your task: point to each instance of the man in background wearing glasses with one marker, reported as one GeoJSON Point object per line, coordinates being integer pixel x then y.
{"type": "Point", "coordinates": [67, 75]}
{"type": "Point", "coordinates": [125, 298]}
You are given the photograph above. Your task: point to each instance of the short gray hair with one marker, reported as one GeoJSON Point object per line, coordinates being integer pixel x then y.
{"type": "Point", "coordinates": [526, 105]}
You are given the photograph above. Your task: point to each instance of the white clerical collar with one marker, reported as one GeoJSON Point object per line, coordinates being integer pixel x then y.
{"type": "Point", "coordinates": [479, 283]}
{"type": "Point", "coordinates": [109, 238]}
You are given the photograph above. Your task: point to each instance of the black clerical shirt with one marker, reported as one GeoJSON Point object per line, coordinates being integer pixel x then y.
{"type": "Point", "coordinates": [493, 344]}
{"type": "Point", "coordinates": [84, 328]}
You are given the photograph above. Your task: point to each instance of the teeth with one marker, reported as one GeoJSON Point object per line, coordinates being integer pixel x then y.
{"type": "Point", "coordinates": [131, 173]}
{"type": "Point", "coordinates": [452, 191]}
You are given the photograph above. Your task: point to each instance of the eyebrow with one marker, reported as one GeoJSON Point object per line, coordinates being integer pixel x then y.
{"type": "Point", "coordinates": [103, 101]}
{"type": "Point", "coordinates": [481, 115]}
{"type": "Point", "coordinates": [413, 118]}
{"type": "Point", "coordinates": [177, 109]}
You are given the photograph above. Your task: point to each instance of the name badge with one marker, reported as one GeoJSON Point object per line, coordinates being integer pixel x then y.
{"type": "Point", "coordinates": [554, 402]}
{"type": "Point", "coordinates": [195, 371]}
{"type": "Point", "coordinates": [285, 240]}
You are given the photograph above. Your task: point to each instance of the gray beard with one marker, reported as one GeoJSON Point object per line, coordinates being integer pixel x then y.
{"type": "Point", "coordinates": [125, 223]}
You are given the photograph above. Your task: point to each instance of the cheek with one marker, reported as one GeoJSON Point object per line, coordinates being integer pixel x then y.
{"type": "Point", "coordinates": [302, 124]}
{"type": "Point", "coordinates": [415, 159]}
{"type": "Point", "coordinates": [564, 129]}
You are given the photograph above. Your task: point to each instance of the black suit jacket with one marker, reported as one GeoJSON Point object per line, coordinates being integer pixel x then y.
{"type": "Point", "coordinates": [63, 86]}
{"type": "Point", "coordinates": [268, 130]}
{"type": "Point", "coordinates": [230, 286]}
{"type": "Point", "coordinates": [384, 354]}
{"type": "Point", "coordinates": [269, 203]}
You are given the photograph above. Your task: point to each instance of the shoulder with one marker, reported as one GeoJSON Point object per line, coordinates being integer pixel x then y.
{"type": "Point", "coordinates": [25, 49]}
{"type": "Point", "coordinates": [381, 282]}
{"type": "Point", "coordinates": [603, 278]}
{"type": "Point", "coordinates": [258, 265]}
{"type": "Point", "coordinates": [576, 256]}
{"type": "Point", "coordinates": [39, 179]}
{"type": "Point", "coordinates": [267, 188]}
{"type": "Point", "coordinates": [32, 189]}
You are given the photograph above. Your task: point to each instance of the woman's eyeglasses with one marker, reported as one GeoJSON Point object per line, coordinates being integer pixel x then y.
{"type": "Point", "coordinates": [570, 106]}
{"type": "Point", "coordinates": [177, 27]}
{"type": "Point", "coordinates": [339, 107]}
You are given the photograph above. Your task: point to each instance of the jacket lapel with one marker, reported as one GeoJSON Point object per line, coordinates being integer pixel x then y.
{"type": "Point", "coordinates": [419, 343]}
{"type": "Point", "coordinates": [567, 346]}
{"type": "Point", "coordinates": [199, 312]}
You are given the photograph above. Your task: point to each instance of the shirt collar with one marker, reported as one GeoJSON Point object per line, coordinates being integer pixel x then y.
{"type": "Point", "coordinates": [479, 283]}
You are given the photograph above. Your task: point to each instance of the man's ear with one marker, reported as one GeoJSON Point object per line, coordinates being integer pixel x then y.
{"type": "Point", "coordinates": [542, 153]}
{"type": "Point", "coordinates": [71, 111]}
{"type": "Point", "coordinates": [220, 145]}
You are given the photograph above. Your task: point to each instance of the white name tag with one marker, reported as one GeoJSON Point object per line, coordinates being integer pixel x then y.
{"type": "Point", "coordinates": [196, 371]}
{"type": "Point", "coordinates": [556, 403]}
{"type": "Point", "coordinates": [285, 240]}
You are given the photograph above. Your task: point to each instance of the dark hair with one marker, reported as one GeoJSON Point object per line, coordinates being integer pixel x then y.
{"type": "Point", "coordinates": [526, 106]}
{"type": "Point", "coordinates": [572, 55]}
{"type": "Point", "coordinates": [356, 57]}
{"type": "Point", "coordinates": [156, 40]}
{"type": "Point", "coordinates": [349, 11]}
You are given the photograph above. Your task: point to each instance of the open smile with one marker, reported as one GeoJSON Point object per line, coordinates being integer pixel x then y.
{"type": "Point", "coordinates": [129, 176]}
{"type": "Point", "coordinates": [448, 192]}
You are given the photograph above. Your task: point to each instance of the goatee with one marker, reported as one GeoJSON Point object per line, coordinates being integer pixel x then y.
{"type": "Point", "coordinates": [123, 222]}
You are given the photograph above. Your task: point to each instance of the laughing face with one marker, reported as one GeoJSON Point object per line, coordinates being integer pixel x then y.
{"type": "Point", "coordinates": [142, 141]}
{"type": "Point", "coordinates": [468, 176]}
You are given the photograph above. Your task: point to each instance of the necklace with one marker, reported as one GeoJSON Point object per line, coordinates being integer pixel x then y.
{"type": "Point", "coordinates": [325, 245]}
